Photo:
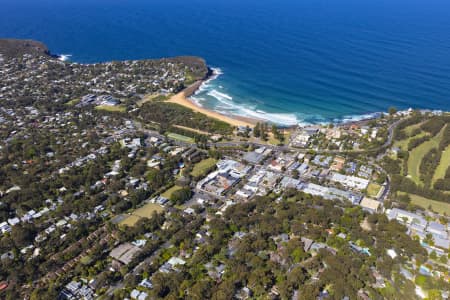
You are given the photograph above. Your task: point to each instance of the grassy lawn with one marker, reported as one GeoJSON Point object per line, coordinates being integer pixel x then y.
{"type": "Point", "coordinates": [130, 221]}
{"type": "Point", "coordinates": [180, 137]}
{"type": "Point", "coordinates": [145, 211]}
{"type": "Point", "coordinates": [273, 141]}
{"type": "Point", "coordinates": [403, 144]}
{"type": "Point", "coordinates": [73, 102]}
{"type": "Point", "coordinates": [388, 291]}
{"type": "Point", "coordinates": [438, 206]}
{"type": "Point", "coordinates": [373, 189]}
{"type": "Point", "coordinates": [443, 165]}
{"type": "Point", "coordinates": [152, 97]}
{"type": "Point", "coordinates": [201, 167]}
{"type": "Point", "coordinates": [118, 108]}
{"type": "Point", "coordinates": [167, 194]}
{"type": "Point", "coordinates": [85, 260]}
{"type": "Point", "coordinates": [190, 79]}
{"type": "Point", "coordinates": [192, 129]}
{"type": "Point", "coordinates": [408, 130]}
{"type": "Point", "coordinates": [417, 154]}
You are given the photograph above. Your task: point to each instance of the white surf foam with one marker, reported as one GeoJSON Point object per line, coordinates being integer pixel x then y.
{"type": "Point", "coordinates": [219, 96]}
{"type": "Point", "coordinates": [197, 100]}
{"type": "Point", "coordinates": [356, 118]}
{"type": "Point", "coordinates": [222, 98]}
{"type": "Point", "coordinates": [286, 119]}
{"type": "Point", "coordinates": [225, 105]}
{"type": "Point", "coordinates": [64, 57]}
{"type": "Point", "coordinates": [216, 72]}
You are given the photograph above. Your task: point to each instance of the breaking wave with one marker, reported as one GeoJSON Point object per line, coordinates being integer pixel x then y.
{"type": "Point", "coordinates": [64, 57]}
{"type": "Point", "coordinates": [214, 97]}
{"type": "Point", "coordinates": [356, 118]}
{"type": "Point", "coordinates": [209, 95]}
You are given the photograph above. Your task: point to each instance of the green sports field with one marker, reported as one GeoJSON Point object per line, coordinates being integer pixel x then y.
{"type": "Point", "coordinates": [118, 108]}
{"type": "Point", "coordinates": [373, 189]}
{"type": "Point", "coordinates": [180, 137]}
{"type": "Point", "coordinates": [145, 211]}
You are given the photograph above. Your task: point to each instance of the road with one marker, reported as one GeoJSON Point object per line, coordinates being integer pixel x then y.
{"type": "Point", "coordinates": [388, 142]}
{"type": "Point", "coordinates": [238, 144]}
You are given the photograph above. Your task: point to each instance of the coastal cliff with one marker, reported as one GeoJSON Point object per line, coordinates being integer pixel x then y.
{"type": "Point", "coordinates": [10, 48]}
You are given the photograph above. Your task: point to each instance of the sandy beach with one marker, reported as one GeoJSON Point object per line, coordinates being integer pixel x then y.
{"type": "Point", "coordinates": [182, 99]}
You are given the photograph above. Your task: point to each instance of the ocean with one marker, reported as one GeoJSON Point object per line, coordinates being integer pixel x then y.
{"type": "Point", "coordinates": [285, 61]}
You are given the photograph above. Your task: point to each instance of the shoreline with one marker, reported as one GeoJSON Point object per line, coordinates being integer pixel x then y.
{"type": "Point", "coordinates": [182, 98]}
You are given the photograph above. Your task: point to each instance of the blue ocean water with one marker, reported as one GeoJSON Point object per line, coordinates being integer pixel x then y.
{"type": "Point", "coordinates": [287, 61]}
